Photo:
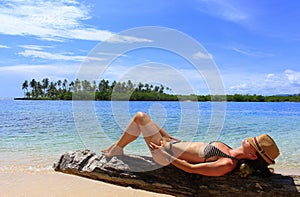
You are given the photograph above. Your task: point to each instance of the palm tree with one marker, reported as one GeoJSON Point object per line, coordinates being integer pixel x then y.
{"type": "Point", "coordinates": [33, 85]}
{"type": "Point", "coordinates": [114, 83]}
{"type": "Point", "coordinates": [161, 90]}
{"type": "Point", "coordinates": [28, 94]}
{"type": "Point", "coordinates": [52, 91]}
{"type": "Point", "coordinates": [86, 86]}
{"type": "Point", "coordinates": [140, 86]}
{"type": "Point", "coordinates": [103, 86]}
{"type": "Point", "coordinates": [25, 86]}
{"type": "Point", "coordinates": [45, 85]}
{"type": "Point", "coordinates": [65, 84]}
{"type": "Point", "coordinates": [77, 86]}
{"type": "Point", "coordinates": [59, 82]}
{"type": "Point", "coordinates": [39, 89]}
{"type": "Point", "coordinates": [117, 87]}
{"type": "Point", "coordinates": [151, 87]}
{"type": "Point", "coordinates": [94, 85]}
{"type": "Point", "coordinates": [147, 86]}
{"type": "Point", "coordinates": [130, 85]}
{"type": "Point", "coordinates": [71, 86]}
{"type": "Point", "coordinates": [123, 87]}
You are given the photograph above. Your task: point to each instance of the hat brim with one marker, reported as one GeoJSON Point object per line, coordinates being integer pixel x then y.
{"type": "Point", "coordinates": [251, 141]}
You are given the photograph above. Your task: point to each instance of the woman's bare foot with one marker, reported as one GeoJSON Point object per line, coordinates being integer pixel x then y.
{"type": "Point", "coordinates": [113, 150]}
{"type": "Point", "coordinates": [109, 148]}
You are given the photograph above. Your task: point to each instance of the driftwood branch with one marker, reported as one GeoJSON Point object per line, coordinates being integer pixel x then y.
{"type": "Point", "coordinates": [143, 173]}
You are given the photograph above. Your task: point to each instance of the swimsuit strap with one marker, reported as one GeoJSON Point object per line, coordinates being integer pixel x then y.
{"type": "Point", "coordinates": [212, 151]}
{"type": "Point", "coordinates": [169, 150]}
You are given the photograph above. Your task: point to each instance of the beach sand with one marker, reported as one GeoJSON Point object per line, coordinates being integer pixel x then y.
{"type": "Point", "coordinates": [56, 184]}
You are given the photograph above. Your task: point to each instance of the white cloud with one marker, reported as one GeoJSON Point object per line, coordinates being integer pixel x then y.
{"type": "Point", "coordinates": [56, 56]}
{"type": "Point", "coordinates": [51, 56]}
{"type": "Point", "coordinates": [293, 76]}
{"type": "Point", "coordinates": [270, 76]}
{"type": "Point", "coordinates": [252, 52]}
{"type": "Point", "coordinates": [39, 71]}
{"type": "Point", "coordinates": [227, 10]}
{"type": "Point", "coordinates": [202, 55]}
{"type": "Point", "coordinates": [34, 47]}
{"type": "Point", "coordinates": [287, 82]}
{"type": "Point", "coordinates": [243, 52]}
{"type": "Point", "coordinates": [4, 47]}
{"type": "Point", "coordinates": [111, 54]}
{"type": "Point", "coordinates": [55, 20]}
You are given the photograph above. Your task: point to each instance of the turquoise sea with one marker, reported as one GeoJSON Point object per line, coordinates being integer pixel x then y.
{"type": "Point", "coordinates": [33, 134]}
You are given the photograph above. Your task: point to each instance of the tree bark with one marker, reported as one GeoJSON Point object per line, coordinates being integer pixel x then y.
{"type": "Point", "coordinates": [142, 172]}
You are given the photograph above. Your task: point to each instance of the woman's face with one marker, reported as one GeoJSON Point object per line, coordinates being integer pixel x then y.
{"type": "Point", "coordinates": [248, 148]}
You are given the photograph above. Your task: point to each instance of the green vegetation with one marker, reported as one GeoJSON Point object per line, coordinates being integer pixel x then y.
{"type": "Point", "coordinates": [86, 90]}
{"type": "Point", "coordinates": [104, 90]}
{"type": "Point", "coordinates": [260, 98]}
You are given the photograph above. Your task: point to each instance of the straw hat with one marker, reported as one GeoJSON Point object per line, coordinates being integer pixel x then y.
{"type": "Point", "coordinates": [265, 146]}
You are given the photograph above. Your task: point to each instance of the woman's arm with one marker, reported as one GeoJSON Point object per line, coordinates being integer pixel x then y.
{"type": "Point", "coordinates": [216, 168]}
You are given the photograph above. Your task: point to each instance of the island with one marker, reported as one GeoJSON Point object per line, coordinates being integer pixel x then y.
{"type": "Point", "coordinates": [128, 91]}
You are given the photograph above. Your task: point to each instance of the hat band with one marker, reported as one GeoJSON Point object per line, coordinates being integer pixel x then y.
{"type": "Point", "coordinates": [261, 150]}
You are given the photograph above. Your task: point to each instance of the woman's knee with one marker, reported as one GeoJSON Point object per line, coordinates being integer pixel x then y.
{"type": "Point", "coordinates": [141, 118]}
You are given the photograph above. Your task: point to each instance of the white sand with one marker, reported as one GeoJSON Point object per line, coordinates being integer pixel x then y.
{"type": "Point", "coordinates": [287, 171]}
{"type": "Point", "coordinates": [58, 184]}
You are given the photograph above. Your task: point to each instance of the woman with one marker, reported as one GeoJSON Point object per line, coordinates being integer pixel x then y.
{"type": "Point", "coordinates": [213, 159]}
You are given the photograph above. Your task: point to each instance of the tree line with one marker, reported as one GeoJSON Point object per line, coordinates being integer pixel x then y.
{"type": "Point", "coordinates": [251, 98]}
{"type": "Point", "coordinates": [105, 90]}
{"type": "Point", "coordinates": [86, 90]}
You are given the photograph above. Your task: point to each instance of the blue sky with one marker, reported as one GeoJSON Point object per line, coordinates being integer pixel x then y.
{"type": "Point", "coordinates": [255, 44]}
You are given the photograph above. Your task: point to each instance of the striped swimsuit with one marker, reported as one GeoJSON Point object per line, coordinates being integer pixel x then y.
{"type": "Point", "coordinates": [212, 151]}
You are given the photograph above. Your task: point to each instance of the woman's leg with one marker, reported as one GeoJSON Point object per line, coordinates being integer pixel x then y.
{"type": "Point", "coordinates": [163, 132]}
{"type": "Point", "coordinates": [131, 133]}
{"type": "Point", "coordinates": [153, 133]}
{"type": "Point", "coordinates": [139, 123]}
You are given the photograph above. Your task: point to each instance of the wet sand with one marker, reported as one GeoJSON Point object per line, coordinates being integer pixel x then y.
{"type": "Point", "coordinates": [57, 184]}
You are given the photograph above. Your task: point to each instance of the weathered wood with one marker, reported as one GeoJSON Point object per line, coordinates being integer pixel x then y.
{"type": "Point", "coordinates": [143, 173]}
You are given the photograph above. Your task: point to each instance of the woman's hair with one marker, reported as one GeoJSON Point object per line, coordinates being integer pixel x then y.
{"type": "Point", "coordinates": [258, 167]}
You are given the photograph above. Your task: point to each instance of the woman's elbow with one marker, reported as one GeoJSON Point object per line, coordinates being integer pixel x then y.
{"type": "Point", "coordinates": [219, 173]}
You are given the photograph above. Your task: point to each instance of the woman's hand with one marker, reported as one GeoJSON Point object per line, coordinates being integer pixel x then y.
{"type": "Point", "coordinates": [159, 154]}
{"type": "Point", "coordinates": [154, 146]}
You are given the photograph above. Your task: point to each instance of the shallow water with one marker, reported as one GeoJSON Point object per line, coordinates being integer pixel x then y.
{"type": "Point", "coordinates": [33, 134]}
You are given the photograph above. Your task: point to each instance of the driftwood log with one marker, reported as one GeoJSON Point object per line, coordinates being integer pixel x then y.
{"type": "Point", "coordinates": [142, 172]}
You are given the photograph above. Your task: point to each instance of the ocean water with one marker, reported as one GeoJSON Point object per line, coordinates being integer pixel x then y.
{"type": "Point", "coordinates": [33, 134]}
